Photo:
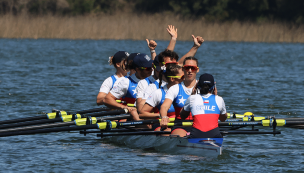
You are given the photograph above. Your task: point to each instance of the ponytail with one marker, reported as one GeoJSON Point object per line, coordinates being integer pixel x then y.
{"type": "Point", "coordinates": [111, 60]}
{"type": "Point", "coordinates": [204, 89]}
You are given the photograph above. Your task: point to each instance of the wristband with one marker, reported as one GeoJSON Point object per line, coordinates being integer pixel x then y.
{"type": "Point", "coordinates": [164, 117]}
{"type": "Point", "coordinates": [173, 38]}
{"type": "Point", "coordinates": [152, 51]}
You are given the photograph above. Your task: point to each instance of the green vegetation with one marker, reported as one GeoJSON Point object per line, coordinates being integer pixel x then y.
{"type": "Point", "coordinates": [290, 11]}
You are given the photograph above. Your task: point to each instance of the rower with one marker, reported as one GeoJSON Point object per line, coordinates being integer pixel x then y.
{"type": "Point", "coordinates": [127, 64]}
{"type": "Point", "coordinates": [108, 84]}
{"type": "Point", "coordinates": [178, 94]}
{"type": "Point", "coordinates": [126, 87]}
{"type": "Point", "coordinates": [144, 84]}
{"type": "Point", "coordinates": [206, 109]}
{"type": "Point", "coordinates": [174, 75]}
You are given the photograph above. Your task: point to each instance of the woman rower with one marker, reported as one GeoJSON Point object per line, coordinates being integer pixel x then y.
{"type": "Point", "coordinates": [206, 109]}
{"type": "Point", "coordinates": [108, 84]}
{"type": "Point", "coordinates": [174, 75]}
{"type": "Point", "coordinates": [178, 94]}
{"type": "Point", "coordinates": [126, 87]}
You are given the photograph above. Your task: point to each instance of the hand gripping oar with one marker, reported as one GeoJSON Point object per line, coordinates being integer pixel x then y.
{"type": "Point", "coordinates": [65, 119]}
{"type": "Point", "coordinates": [56, 114]}
{"type": "Point", "coordinates": [78, 124]}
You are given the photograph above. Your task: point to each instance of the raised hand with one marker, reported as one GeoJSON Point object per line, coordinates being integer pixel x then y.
{"type": "Point", "coordinates": [198, 41]}
{"type": "Point", "coordinates": [151, 44]}
{"type": "Point", "coordinates": [172, 31]}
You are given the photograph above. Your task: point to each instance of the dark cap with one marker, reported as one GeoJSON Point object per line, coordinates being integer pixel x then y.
{"type": "Point", "coordinates": [156, 61]}
{"type": "Point", "coordinates": [132, 56]}
{"type": "Point", "coordinates": [206, 79]}
{"type": "Point", "coordinates": [119, 56]}
{"type": "Point", "coordinates": [142, 60]}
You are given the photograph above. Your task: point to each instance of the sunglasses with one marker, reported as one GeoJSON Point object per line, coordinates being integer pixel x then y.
{"type": "Point", "coordinates": [169, 63]}
{"type": "Point", "coordinates": [178, 77]}
{"type": "Point", "coordinates": [188, 67]}
{"type": "Point", "coordinates": [146, 68]}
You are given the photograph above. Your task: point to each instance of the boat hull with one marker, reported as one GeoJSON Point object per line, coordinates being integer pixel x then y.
{"type": "Point", "coordinates": [205, 147]}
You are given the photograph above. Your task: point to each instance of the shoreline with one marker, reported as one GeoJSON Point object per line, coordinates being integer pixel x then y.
{"type": "Point", "coordinates": [133, 27]}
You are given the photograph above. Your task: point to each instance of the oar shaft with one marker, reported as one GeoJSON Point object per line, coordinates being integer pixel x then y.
{"type": "Point", "coordinates": [38, 127]}
{"type": "Point", "coordinates": [29, 123]}
{"type": "Point", "coordinates": [134, 133]}
{"type": "Point", "coordinates": [60, 129]}
{"type": "Point", "coordinates": [24, 119]}
{"type": "Point", "coordinates": [92, 110]}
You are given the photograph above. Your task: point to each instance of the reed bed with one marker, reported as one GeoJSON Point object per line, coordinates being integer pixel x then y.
{"type": "Point", "coordinates": [130, 26]}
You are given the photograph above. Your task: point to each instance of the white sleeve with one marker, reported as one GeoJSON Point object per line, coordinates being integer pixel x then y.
{"type": "Point", "coordinates": [106, 85]}
{"type": "Point", "coordinates": [140, 89]}
{"type": "Point", "coordinates": [155, 98]}
{"type": "Point", "coordinates": [150, 89]}
{"type": "Point", "coordinates": [187, 104]}
{"type": "Point", "coordinates": [221, 104]}
{"type": "Point", "coordinates": [172, 92]}
{"type": "Point", "coordinates": [120, 88]}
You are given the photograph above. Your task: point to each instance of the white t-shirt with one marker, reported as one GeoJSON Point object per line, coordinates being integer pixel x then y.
{"type": "Point", "coordinates": [173, 91]}
{"type": "Point", "coordinates": [142, 85]}
{"type": "Point", "coordinates": [107, 85]}
{"type": "Point", "coordinates": [151, 88]}
{"type": "Point", "coordinates": [155, 98]}
{"type": "Point", "coordinates": [195, 101]}
{"type": "Point", "coordinates": [120, 87]}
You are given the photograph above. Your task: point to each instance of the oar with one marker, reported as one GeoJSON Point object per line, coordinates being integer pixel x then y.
{"type": "Point", "coordinates": [124, 102]}
{"type": "Point", "coordinates": [79, 124]}
{"type": "Point", "coordinates": [52, 115]}
{"type": "Point", "coordinates": [233, 115]}
{"type": "Point", "coordinates": [134, 133]}
{"type": "Point", "coordinates": [64, 121]}
{"type": "Point", "coordinates": [261, 118]}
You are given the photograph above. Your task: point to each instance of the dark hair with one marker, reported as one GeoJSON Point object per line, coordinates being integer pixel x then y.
{"type": "Point", "coordinates": [171, 70]}
{"type": "Point", "coordinates": [204, 89]}
{"type": "Point", "coordinates": [127, 64]}
{"type": "Point", "coordinates": [190, 58]}
{"type": "Point", "coordinates": [167, 53]}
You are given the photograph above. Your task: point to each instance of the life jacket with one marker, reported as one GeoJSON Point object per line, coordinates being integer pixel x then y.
{"type": "Point", "coordinates": [113, 80]}
{"type": "Point", "coordinates": [130, 97]}
{"type": "Point", "coordinates": [207, 117]}
{"type": "Point", "coordinates": [171, 111]}
{"type": "Point", "coordinates": [179, 102]}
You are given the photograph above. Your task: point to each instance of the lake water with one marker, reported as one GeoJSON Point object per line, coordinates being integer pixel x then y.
{"type": "Point", "coordinates": [38, 75]}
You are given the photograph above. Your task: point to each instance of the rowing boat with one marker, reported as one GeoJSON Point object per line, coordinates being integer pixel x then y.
{"type": "Point", "coordinates": [204, 147]}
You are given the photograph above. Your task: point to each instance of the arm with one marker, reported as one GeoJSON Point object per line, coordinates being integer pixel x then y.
{"type": "Point", "coordinates": [198, 41]}
{"type": "Point", "coordinates": [184, 114]}
{"type": "Point", "coordinates": [140, 104]}
{"type": "Point", "coordinates": [140, 89]}
{"type": "Point", "coordinates": [173, 34]}
{"type": "Point", "coordinates": [163, 112]}
{"type": "Point", "coordinates": [223, 117]}
{"type": "Point", "coordinates": [152, 45]}
{"type": "Point", "coordinates": [100, 98]}
{"type": "Point", "coordinates": [145, 112]}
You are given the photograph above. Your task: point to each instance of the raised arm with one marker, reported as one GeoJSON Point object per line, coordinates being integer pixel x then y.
{"type": "Point", "coordinates": [198, 41]}
{"type": "Point", "coordinates": [152, 45]}
{"type": "Point", "coordinates": [173, 33]}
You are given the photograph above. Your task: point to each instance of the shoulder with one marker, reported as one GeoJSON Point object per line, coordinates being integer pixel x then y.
{"type": "Point", "coordinates": [219, 98]}
{"type": "Point", "coordinates": [174, 88]}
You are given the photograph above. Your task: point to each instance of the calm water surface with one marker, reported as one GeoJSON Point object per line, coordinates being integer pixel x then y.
{"type": "Point", "coordinates": [38, 75]}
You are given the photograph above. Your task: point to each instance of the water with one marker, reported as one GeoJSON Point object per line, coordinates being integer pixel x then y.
{"type": "Point", "coordinates": [38, 75]}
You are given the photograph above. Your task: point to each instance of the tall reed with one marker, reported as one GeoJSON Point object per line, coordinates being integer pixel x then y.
{"type": "Point", "coordinates": [131, 26]}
